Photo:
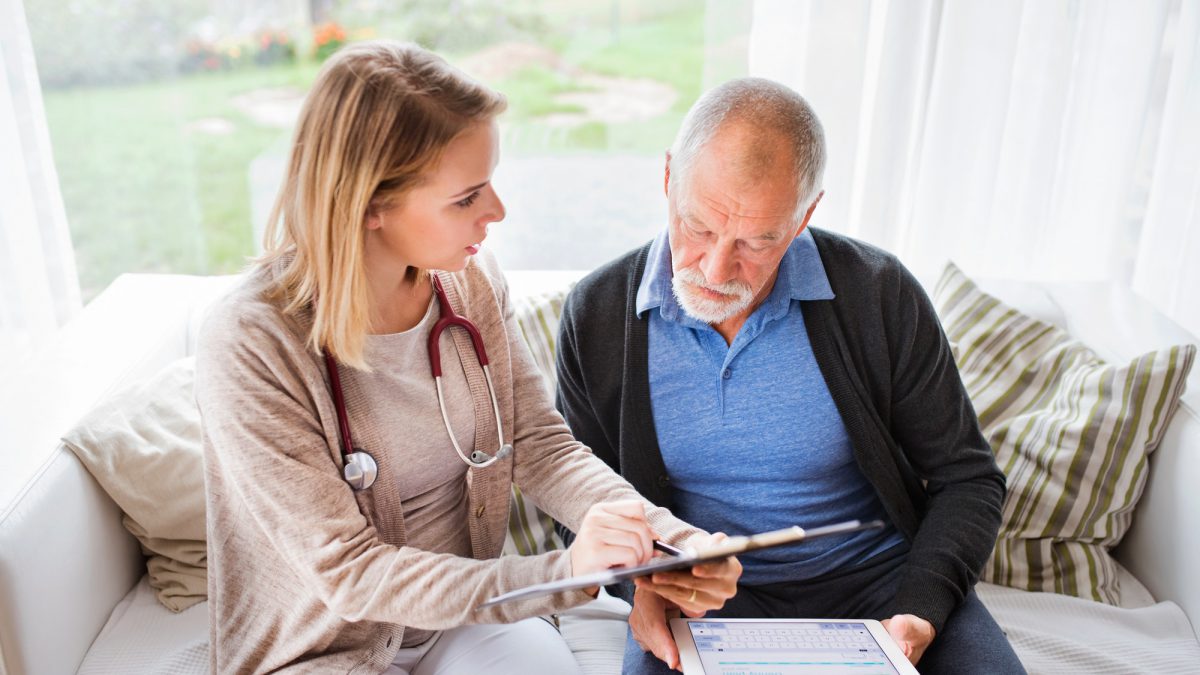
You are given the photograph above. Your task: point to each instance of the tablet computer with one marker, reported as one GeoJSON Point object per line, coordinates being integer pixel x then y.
{"type": "Point", "coordinates": [787, 647]}
{"type": "Point", "coordinates": [731, 546]}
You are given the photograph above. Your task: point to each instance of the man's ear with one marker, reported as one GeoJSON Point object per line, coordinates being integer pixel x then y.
{"type": "Point", "coordinates": [808, 214]}
{"type": "Point", "coordinates": [667, 174]}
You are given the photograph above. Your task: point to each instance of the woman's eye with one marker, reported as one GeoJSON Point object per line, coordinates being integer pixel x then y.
{"type": "Point", "coordinates": [468, 200]}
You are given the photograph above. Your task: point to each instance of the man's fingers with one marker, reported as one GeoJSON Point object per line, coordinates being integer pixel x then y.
{"type": "Point", "coordinates": [664, 645]}
{"type": "Point", "coordinates": [911, 633]}
{"type": "Point", "coordinates": [648, 623]}
{"type": "Point", "coordinates": [712, 588]}
{"type": "Point", "coordinates": [692, 600]}
{"type": "Point", "coordinates": [713, 569]}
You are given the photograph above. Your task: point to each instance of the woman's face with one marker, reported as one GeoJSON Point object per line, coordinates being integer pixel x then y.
{"type": "Point", "coordinates": [442, 222]}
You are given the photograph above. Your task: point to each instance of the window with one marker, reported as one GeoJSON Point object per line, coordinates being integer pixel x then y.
{"type": "Point", "coordinates": [170, 121]}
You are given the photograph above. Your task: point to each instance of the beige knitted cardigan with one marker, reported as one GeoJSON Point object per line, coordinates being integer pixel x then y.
{"type": "Point", "coordinates": [306, 575]}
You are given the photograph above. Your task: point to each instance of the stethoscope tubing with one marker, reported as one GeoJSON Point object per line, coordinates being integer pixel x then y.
{"type": "Point", "coordinates": [359, 467]}
{"type": "Point", "coordinates": [339, 402]}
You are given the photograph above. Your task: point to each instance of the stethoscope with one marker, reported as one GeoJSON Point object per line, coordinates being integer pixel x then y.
{"type": "Point", "coordinates": [360, 469]}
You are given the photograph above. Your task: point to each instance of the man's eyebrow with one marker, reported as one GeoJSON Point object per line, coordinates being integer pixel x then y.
{"type": "Point", "coordinates": [687, 214]}
{"type": "Point", "coordinates": [470, 190]}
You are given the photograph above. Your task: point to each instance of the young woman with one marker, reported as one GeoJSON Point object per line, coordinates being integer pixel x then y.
{"type": "Point", "coordinates": [358, 471]}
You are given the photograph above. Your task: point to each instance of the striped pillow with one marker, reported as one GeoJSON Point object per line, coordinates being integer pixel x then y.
{"type": "Point", "coordinates": [1071, 432]}
{"type": "Point", "coordinates": [538, 317]}
{"type": "Point", "coordinates": [529, 530]}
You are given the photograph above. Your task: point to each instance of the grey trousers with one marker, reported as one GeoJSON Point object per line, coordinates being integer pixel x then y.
{"type": "Point", "coordinates": [521, 648]}
{"type": "Point", "coordinates": [970, 642]}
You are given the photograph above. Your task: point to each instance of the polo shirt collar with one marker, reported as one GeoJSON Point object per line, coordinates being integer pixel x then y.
{"type": "Point", "coordinates": [801, 277]}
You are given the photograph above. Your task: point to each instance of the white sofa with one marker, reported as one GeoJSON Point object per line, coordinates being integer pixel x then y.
{"type": "Point", "coordinates": [72, 591]}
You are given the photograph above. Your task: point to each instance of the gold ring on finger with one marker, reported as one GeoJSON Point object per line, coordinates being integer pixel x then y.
{"type": "Point", "coordinates": [693, 596]}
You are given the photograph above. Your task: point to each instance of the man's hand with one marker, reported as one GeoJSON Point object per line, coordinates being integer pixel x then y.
{"type": "Point", "coordinates": [701, 588]}
{"type": "Point", "coordinates": [912, 633]}
{"type": "Point", "coordinates": [648, 622]}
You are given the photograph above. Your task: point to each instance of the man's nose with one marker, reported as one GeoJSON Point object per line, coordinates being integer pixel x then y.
{"type": "Point", "coordinates": [718, 265]}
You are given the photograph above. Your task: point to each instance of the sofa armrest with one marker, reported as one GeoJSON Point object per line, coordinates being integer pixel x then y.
{"type": "Point", "coordinates": [65, 561]}
{"type": "Point", "coordinates": [1162, 548]}
{"type": "Point", "coordinates": [65, 558]}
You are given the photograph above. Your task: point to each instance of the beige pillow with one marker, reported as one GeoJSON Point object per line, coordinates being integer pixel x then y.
{"type": "Point", "coordinates": [142, 445]}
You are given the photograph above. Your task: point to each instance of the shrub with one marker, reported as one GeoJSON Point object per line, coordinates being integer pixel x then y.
{"type": "Point", "coordinates": [105, 42]}
{"type": "Point", "coordinates": [327, 39]}
{"type": "Point", "coordinates": [274, 47]}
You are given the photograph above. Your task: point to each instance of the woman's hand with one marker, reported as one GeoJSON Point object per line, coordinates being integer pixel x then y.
{"type": "Point", "coordinates": [613, 534]}
{"type": "Point", "coordinates": [701, 588]}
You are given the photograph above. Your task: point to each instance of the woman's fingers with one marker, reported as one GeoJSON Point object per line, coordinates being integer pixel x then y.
{"type": "Point", "coordinates": [622, 546]}
{"type": "Point", "coordinates": [612, 534]}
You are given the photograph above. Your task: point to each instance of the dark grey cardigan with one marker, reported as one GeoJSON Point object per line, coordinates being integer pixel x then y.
{"type": "Point", "coordinates": [890, 371]}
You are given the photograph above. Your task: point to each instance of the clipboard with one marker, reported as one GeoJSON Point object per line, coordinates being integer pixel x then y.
{"type": "Point", "coordinates": [730, 547]}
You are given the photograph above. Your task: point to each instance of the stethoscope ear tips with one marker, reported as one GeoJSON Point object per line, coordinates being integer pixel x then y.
{"type": "Point", "coordinates": [360, 470]}
{"type": "Point", "coordinates": [481, 459]}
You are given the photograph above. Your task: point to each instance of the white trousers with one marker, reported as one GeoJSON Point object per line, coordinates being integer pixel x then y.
{"type": "Point", "coordinates": [528, 647]}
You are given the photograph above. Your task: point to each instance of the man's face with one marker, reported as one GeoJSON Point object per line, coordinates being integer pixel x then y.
{"type": "Point", "coordinates": [729, 228]}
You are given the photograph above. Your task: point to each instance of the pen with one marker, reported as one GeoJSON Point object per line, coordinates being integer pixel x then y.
{"type": "Point", "coordinates": [667, 548]}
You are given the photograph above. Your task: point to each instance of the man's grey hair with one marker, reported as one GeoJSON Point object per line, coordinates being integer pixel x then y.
{"type": "Point", "coordinates": [773, 111]}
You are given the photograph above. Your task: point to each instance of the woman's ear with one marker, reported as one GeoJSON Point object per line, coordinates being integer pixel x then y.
{"type": "Point", "coordinates": [373, 221]}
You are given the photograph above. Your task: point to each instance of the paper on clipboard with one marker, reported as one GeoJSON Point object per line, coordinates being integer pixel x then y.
{"type": "Point", "coordinates": [729, 547]}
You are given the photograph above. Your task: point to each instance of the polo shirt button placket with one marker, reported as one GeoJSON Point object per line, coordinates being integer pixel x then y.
{"type": "Point", "coordinates": [727, 373]}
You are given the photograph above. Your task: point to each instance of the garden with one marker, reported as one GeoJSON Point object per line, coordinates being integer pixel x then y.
{"type": "Point", "coordinates": [158, 114]}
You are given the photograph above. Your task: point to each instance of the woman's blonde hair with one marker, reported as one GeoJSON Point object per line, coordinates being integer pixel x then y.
{"type": "Point", "coordinates": [376, 120]}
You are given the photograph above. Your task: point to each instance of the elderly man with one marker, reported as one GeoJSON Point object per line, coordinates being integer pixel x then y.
{"type": "Point", "coordinates": [751, 373]}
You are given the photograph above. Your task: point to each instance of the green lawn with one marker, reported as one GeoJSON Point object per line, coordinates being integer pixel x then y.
{"type": "Point", "coordinates": [146, 190]}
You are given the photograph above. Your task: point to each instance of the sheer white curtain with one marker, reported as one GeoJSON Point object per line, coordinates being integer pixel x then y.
{"type": "Point", "coordinates": [39, 289]}
{"type": "Point", "coordinates": [1020, 139]}
{"type": "Point", "coordinates": [1168, 264]}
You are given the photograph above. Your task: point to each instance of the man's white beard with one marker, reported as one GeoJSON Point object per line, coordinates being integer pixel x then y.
{"type": "Point", "coordinates": [685, 285]}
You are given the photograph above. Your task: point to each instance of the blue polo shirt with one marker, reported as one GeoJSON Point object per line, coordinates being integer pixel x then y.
{"type": "Point", "coordinates": [749, 433]}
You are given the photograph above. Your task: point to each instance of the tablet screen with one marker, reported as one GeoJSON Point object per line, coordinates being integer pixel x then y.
{"type": "Point", "coordinates": [778, 648]}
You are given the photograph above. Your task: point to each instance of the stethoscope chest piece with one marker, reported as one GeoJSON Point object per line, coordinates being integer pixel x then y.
{"type": "Point", "coordinates": [360, 470]}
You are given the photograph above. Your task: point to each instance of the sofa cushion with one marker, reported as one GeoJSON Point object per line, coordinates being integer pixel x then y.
{"type": "Point", "coordinates": [1071, 433]}
{"type": "Point", "coordinates": [142, 444]}
{"type": "Point", "coordinates": [142, 637]}
{"type": "Point", "coordinates": [1062, 635]}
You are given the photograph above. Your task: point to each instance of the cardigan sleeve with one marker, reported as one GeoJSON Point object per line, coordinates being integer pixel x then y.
{"type": "Point", "coordinates": [934, 423]}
